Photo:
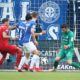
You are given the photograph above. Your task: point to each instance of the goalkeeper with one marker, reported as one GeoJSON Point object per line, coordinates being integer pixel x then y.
{"type": "Point", "coordinates": [67, 47]}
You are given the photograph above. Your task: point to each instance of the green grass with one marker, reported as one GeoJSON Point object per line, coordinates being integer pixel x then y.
{"type": "Point", "coordinates": [40, 76]}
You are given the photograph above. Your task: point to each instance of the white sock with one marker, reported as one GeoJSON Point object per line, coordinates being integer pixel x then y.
{"type": "Point", "coordinates": [22, 62]}
{"type": "Point", "coordinates": [37, 62]}
{"type": "Point", "coordinates": [34, 60]}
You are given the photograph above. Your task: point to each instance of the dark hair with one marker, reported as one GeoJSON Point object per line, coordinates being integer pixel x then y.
{"type": "Point", "coordinates": [34, 14]}
{"type": "Point", "coordinates": [28, 16]}
{"type": "Point", "coordinates": [5, 20]}
{"type": "Point", "coordinates": [64, 26]}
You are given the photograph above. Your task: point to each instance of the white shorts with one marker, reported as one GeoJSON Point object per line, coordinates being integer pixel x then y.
{"type": "Point", "coordinates": [29, 47]}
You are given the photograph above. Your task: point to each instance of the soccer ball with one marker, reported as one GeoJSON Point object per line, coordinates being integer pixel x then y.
{"type": "Point", "coordinates": [44, 61]}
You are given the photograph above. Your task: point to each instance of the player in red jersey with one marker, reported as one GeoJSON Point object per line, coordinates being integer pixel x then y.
{"type": "Point", "coordinates": [5, 47]}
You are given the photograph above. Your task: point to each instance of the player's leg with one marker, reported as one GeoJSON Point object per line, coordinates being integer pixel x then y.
{"type": "Point", "coordinates": [3, 56]}
{"type": "Point", "coordinates": [27, 60]}
{"type": "Point", "coordinates": [12, 49]}
{"type": "Point", "coordinates": [57, 59]}
{"type": "Point", "coordinates": [18, 56]}
{"type": "Point", "coordinates": [69, 59]}
{"type": "Point", "coordinates": [24, 63]}
{"type": "Point", "coordinates": [21, 63]}
{"type": "Point", "coordinates": [35, 59]}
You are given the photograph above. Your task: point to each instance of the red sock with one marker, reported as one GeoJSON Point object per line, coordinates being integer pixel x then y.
{"type": "Point", "coordinates": [26, 66]}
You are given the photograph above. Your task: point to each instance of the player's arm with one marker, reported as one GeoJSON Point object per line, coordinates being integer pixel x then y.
{"type": "Point", "coordinates": [71, 40]}
{"type": "Point", "coordinates": [39, 30]}
{"type": "Point", "coordinates": [61, 41]}
{"type": "Point", "coordinates": [12, 28]}
{"type": "Point", "coordinates": [41, 33]}
{"type": "Point", "coordinates": [33, 36]}
{"type": "Point", "coordinates": [61, 47]}
{"type": "Point", "coordinates": [7, 36]}
{"type": "Point", "coordinates": [38, 34]}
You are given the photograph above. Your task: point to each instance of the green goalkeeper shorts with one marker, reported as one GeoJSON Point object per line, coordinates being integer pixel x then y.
{"type": "Point", "coordinates": [66, 53]}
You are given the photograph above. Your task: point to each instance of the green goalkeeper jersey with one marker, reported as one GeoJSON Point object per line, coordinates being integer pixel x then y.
{"type": "Point", "coordinates": [67, 38]}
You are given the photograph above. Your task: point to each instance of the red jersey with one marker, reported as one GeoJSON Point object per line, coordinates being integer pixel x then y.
{"type": "Point", "coordinates": [3, 41]}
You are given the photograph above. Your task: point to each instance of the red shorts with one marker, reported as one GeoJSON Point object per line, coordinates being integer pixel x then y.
{"type": "Point", "coordinates": [11, 49]}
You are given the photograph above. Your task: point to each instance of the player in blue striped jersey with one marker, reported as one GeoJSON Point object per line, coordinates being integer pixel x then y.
{"type": "Point", "coordinates": [30, 42]}
{"type": "Point", "coordinates": [21, 28]}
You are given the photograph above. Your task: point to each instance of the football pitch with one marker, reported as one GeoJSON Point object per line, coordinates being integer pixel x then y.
{"type": "Point", "coordinates": [39, 75]}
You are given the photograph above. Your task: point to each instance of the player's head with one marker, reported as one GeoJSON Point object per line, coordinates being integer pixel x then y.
{"type": "Point", "coordinates": [34, 15]}
{"type": "Point", "coordinates": [64, 27]}
{"type": "Point", "coordinates": [5, 21]}
{"type": "Point", "coordinates": [28, 17]}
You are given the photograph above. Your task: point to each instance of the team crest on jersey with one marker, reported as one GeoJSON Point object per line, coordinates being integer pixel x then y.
{"type": "Point", "coordinates": [49, 12]}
